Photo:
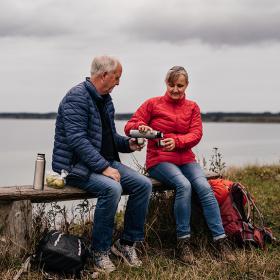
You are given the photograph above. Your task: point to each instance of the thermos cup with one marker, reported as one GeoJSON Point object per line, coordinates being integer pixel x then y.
{"type": "Point", "coordinates": [39, 174]}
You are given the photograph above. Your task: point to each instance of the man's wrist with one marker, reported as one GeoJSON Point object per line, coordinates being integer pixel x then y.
{"type": "Point", "coordinates": [104, 167]}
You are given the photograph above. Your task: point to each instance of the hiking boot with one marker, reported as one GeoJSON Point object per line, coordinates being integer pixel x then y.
{"type": "Point", "coordinates": [102, 262]}
{"type": "Point", "coordinates": [184, 250]}
{"type": "Point", "coordinates": [127, 253]}
{"type": "Point", "coordinates": [223, 250]}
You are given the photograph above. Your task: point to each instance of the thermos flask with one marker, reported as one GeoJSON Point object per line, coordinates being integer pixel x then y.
{"type": "Point", "coordinates": [39, 174]}
{"type": "Point", "coordinates": [148, 135]}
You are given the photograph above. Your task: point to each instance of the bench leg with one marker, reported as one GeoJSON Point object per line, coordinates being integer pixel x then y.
{"type": "Point", "coordinates": [15, 226]}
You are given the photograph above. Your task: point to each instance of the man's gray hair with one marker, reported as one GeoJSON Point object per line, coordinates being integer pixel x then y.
{"type": "Point", "coordinates": [104, 63]}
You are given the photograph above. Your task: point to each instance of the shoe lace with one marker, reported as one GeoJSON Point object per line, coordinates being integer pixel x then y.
{"type": "Point", "coordinates": [223, 245]}
{"type": "Point", "coordinates": [184, 246]}
{"type": "Point", "coordinates": [104, 259]}
{"type": "Point", "coordinates": [131, 251]}
{"type": "Point", "coordinates": [224, 249]}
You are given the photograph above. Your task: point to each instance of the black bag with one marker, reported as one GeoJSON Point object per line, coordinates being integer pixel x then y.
{"type": "Point", "coordinates": [61, 253]}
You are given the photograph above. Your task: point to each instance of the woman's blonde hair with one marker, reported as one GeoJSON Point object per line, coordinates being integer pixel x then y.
{"type": "Point", "coordinates": [174, 73]}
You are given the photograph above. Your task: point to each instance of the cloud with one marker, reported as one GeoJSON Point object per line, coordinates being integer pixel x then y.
{"type": "Point", "coordinates": [216, 22]}
{"type": "Point", "coordinates": [51, 18]}
{"type": "Point", "coordinates": [213, 22]}
{"type": "Point", "coordinates": [31, 18]}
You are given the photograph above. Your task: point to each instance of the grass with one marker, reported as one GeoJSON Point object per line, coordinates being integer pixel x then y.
{"type": "Point", "coordinates": [158, 254]}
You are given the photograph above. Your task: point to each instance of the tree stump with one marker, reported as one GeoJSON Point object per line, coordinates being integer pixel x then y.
{"type": "Point", "coordinates": [160, 224]}
{"type": "Point", "coordinates": [15, 226]}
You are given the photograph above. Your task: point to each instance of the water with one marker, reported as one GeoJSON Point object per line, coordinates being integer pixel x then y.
{"type": "Point", "coordinates": [238, 143]}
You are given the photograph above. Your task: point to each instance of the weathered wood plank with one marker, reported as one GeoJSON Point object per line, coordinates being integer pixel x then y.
{"type": "Point", "coordinates": [48, 194]}
{"type": "Point", "coordinates": [15, 226]}
{"type": "Point", "coordinates": [68, 193]}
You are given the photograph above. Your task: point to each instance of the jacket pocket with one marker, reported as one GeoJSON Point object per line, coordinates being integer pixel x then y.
{"type": "Point", "coordinates": [79, 171]}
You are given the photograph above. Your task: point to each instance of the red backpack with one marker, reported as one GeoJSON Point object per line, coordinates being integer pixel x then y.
{"type": "Point", "coordinates": [239, 215]}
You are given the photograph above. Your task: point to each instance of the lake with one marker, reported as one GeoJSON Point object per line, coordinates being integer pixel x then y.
{"type": "Point", "coordinates": [239, 144]}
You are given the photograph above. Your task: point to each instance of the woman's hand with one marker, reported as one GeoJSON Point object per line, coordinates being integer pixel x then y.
{"type": "Point", "coordinates": [169, 144]}
{"type": "Point", "coordinates": [144, 128]}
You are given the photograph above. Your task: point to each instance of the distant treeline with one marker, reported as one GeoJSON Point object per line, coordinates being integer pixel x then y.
{"type": "Point", "coordinates": [265, 117]}
{"type": "Point", "coordinates": [51, 115]}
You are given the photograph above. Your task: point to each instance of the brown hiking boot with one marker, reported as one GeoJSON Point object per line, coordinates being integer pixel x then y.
{"type": "Point", "coordinates": [223, 250]}
{"type": "Point", "coordinates": [184, 250]}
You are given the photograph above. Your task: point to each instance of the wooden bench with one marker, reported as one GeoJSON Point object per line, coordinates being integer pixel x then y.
{"type": "Point", "coordinates": [16, 209]}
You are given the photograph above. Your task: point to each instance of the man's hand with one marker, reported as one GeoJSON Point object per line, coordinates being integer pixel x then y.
{"type": "Point", "coordinates": [134, 146]}
{"type": "Point", "coordinates": [169, 144]}
{"type": "Point", "coordinates": [112, 173]}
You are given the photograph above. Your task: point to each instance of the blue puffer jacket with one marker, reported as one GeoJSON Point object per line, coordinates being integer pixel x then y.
{"type": "Point", "coordinates": [78, 133]}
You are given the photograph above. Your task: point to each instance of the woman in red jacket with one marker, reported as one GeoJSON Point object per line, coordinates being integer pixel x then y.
{"type": "Point", "coordinates": [173, 162]}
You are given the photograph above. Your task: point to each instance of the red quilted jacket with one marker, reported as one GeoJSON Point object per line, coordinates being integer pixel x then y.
{"type": "Point", "coordinates": [177, 119]}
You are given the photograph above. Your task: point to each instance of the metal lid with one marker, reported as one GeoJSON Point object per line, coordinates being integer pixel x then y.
{"type": "Point", "coordinates": [40, 155]}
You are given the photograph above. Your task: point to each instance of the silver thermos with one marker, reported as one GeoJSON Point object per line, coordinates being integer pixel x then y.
{"type": "Point", "coordinates": [148, 135]}
{"type": "Point", "coordinates": [39, 174]}
{"type": "Point", "coordinates": [140, 136]}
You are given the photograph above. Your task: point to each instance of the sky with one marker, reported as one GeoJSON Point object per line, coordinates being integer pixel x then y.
{"type": "Point", "coordinates": [230, 48]}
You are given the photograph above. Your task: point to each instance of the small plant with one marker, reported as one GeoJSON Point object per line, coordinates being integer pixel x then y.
{"type": "Point", "coordinates": [39, 223]}
{"type": "Point", "coordinates": [85, 210]}
{"type": "Point", "coordinates": [141, 169]}
{"type": "Point", "coordinates": [216, 162]}
{"type": "Point", "coordinates": [83, 224]}
{"type": "Point", "coordinates": [53, 213]}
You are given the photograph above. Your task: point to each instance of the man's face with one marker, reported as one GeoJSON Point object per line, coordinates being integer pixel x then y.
{"type": "Point", "coordinates": [111, 79]}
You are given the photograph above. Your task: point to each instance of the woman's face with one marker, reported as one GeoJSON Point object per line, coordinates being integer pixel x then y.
{"type": "Point", "coordinates": [176, 89]}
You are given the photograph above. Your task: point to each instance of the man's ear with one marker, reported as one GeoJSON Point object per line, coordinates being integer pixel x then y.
{"type": "Point", "coordinates": [104, 74]}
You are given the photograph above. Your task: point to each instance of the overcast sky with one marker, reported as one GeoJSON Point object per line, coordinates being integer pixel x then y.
{"type": "Point", "coordinates": [231, 49]}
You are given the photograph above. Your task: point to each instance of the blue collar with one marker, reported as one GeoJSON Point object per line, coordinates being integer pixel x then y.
{"type": "Point", "coordinates": [94, 93]}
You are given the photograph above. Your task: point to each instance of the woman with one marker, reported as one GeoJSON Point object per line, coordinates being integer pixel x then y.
{"type": "Point", "coordinates": [173, 162]}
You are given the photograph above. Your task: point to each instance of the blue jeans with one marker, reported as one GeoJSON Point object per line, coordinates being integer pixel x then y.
{"type": "Point", "coordinates": [108, 192]}
{"type": "Point", "coordinates": [184, 179]}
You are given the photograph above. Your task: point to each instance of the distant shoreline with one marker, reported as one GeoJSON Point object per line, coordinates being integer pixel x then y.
{"type": "Point", "coordinates": [265, 117]}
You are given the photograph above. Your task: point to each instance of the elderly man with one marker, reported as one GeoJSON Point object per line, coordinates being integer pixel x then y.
{"type": "Point", "coordinates": [86, 146]}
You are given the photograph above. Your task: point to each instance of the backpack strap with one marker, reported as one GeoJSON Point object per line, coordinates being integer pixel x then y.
{"type": "Point", "coordinates": [252, 207]}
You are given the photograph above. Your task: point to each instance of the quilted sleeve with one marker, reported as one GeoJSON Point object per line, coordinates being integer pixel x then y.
{"type": "Point", "coordinates": [192, 138]}
{"type": "Point", "coordinates": [142, 116]}
{"type": "Point", "coordinates": [75, 117]}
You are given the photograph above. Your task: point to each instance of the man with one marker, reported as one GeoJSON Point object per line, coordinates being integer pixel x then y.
{"type": "Point", "coordinates": [86, 146]}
